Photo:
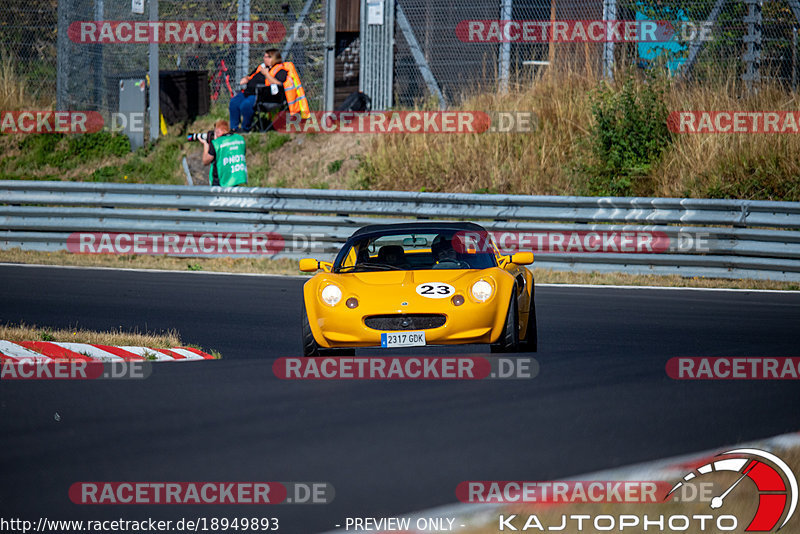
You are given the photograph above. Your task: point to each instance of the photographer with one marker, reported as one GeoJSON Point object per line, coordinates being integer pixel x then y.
{"type": "Point", "coordinates": [225, 152]}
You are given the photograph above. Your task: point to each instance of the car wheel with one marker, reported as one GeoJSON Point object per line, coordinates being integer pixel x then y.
{"type": "Point", "coordinates": [531, 340]}
{"type": "Point", "coordinates": [310, 345]}
{"type": "Point", "coordinates": [509, 340]}
{"type": "Point", "coordinates": [312, 349]}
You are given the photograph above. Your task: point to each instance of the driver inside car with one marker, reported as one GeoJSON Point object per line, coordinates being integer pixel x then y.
{"type": "Point", "coordinates": [444, 254]}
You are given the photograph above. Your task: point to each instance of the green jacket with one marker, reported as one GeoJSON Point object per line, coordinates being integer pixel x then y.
{"type": "Point", "coordinates": [229, 167]}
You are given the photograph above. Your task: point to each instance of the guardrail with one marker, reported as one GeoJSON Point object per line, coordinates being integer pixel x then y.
{"type": "Point", "coordinates": [741, 239]}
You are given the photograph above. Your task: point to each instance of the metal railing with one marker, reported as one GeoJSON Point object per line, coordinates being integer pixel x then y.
{"type": "Point", "coordinates": [741, 239]}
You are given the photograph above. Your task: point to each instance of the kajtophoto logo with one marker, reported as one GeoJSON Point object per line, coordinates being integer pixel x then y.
{"type": "Point", "coordinates": [737, 487]}
{"type": "Point", "coordinates": [774, 480]}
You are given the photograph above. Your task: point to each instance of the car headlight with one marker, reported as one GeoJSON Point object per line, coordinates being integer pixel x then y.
{"type": "Point", "coordinates": [331, 295]}
{"type": "Point", "coordinates": [482, 290]}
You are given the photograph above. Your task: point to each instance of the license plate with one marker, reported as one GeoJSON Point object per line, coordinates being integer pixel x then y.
{"type": "Point", "coordinates": [402, 339]}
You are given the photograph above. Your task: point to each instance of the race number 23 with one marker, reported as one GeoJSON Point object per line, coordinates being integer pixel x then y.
{"type": "Point", "coordinates": [435, 290]}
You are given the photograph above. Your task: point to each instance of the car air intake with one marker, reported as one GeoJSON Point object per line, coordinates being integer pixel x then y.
{"type": "Point", "coordinates": [409, 321]}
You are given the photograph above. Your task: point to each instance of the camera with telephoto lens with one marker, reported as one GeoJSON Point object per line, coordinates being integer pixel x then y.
{"type": "Point", "coordinates": [207, 136]}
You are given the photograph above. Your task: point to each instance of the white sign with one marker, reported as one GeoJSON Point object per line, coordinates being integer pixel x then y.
{"type": "Point", "coordinates": [436, 290]}
{"type": "Point", "coordinates": [137, 6]}
{"type": "Point", "coordinates": [375, 12]}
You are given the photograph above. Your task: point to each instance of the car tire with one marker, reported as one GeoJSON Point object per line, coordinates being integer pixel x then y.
{"type": "Point", "coordinates": [310, 345]}
{"type": "Point", "coordinates": [312, 349]}
{"type": "Point", "coordinates": [509, 339]}
{"type": "Point", "coordinates": [530, 344]}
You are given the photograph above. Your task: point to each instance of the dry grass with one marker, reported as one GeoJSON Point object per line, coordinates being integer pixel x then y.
{"type": "Point", "coordinates": [290, 267]}
{"type": "Point", "coordinates": [23, 332]}
{"type": "Point", "coordinates": [290, 165]}
{"type": "Point", "coordinates": [525, 163]}
{"type": "Point", "coordinates": [12, 87]}
{"type": "Point", "coordinates": [14, 93]}
{"type": "Point", "coordinates": [741, 503]}
{"type": "Point", "coordinates": [755, 166]}
{"type": "Point", "coordinates": [232, 265]}
{"type": "Point", "coordinates": [544, 161]}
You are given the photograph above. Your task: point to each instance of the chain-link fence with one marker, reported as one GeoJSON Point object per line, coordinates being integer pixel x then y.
{"type": "Point", "coordinates": [91, 72]}
{"type": "Point", "coordinates": [28, 50]}
{"type": "Point", "coordinates": [750, 39]}
{"type": "Point", "coordinates": [747, 39]}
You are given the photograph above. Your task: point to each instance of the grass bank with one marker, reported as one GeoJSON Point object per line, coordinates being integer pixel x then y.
{"type": "Point", "coordinates": [119, 337]}
{"type": "Point", "coordinates": [584, 122]}
{"type": "Point", "coordinates": [592, 138]}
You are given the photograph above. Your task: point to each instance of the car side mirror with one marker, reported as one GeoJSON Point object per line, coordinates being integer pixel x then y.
{"type": "Point", "coordinates": [522, 258]}
{"type": "Point", "coordinates": [309, 265]}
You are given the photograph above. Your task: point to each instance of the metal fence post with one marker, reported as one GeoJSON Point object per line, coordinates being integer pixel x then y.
{"type": "Point", "coordinates": [330, 54]}
{"type": "Point", "coordinates": [61, 59]}
{"type": "Point", "coordinates": [609, 14]}
{"type": "Point", "coordinates": [155, 112]}
{"type": "Point", "coordinates": [242, 48]}
{"type": "Point", "coordinates": [98, 59]}
{"type": "Point", "coordinates": [506, 10]}
{"type": "Point", "coordinates": [376, 78]}
{"type": "Point", "coordinates": [752, 56]}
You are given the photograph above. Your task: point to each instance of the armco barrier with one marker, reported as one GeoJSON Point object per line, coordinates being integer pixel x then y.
{"type": "Point", "coordinates": [743, 239]}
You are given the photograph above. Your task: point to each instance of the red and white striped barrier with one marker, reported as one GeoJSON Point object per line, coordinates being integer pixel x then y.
{"type": "Point", "coordinates": [45, 351]}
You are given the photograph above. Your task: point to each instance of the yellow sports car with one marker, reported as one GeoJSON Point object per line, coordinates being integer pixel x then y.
{"type": "Point", "coordinates": [416, 284]}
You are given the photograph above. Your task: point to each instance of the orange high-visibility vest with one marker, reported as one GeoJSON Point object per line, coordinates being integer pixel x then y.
{"type": "Point", "coordinates": [295, 94]}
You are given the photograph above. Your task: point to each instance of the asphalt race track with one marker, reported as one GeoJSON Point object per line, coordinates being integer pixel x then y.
{"type": "Point", "coordinates": [602, 398]}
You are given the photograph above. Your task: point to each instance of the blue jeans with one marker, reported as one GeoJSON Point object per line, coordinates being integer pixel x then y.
{"type": "Point", "coordinates": [241, 109]}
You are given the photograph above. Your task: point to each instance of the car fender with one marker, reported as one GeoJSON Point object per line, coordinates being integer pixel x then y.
{"type": "Point", "coordinates": [312, 305]}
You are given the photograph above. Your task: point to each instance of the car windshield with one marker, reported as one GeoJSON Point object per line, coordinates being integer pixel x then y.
{"type": "Point", "coordinates": [411, 251]}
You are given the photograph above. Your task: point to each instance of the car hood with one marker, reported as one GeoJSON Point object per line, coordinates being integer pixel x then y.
{"type": "Point", "coordinates": [411, 279]}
